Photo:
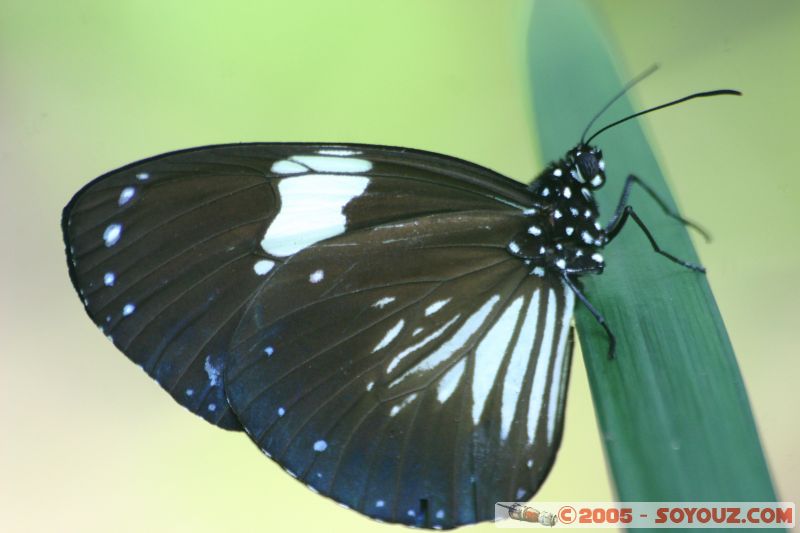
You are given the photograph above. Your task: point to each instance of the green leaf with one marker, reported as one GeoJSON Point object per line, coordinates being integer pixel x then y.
{"type": "Point", "coordinates": [672, 407]}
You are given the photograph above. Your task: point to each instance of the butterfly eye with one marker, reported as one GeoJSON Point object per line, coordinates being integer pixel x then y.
{"type": "Point", "coordinates": [591, 168]}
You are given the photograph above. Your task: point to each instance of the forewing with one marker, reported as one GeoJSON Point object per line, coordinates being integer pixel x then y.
{"type": "Point", "coordinates": [413, 370]}
{"type": "Point", "coordinates": [167, 252]}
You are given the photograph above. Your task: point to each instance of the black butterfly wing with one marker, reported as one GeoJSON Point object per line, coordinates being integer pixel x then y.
{"type": "Point", "coordinates": [193, 260]}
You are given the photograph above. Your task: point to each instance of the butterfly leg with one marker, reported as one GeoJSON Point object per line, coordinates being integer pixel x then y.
{"type": "Point", "coordinates": [612, 341]}
{"type": "Point", "coordinates": [619, 223]}
{"type": "Point", "coordinates": [623, 201]}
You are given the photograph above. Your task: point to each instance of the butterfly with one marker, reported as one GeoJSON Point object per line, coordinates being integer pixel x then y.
{"type": "Point", "coordinates": [392, 326]}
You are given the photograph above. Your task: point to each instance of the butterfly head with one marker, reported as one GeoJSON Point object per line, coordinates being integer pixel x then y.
{"type": "Point", "coordinates": [587, 166]}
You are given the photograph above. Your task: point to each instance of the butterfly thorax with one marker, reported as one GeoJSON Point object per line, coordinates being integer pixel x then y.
{"type": "Point", "coordinates": [562, 231]}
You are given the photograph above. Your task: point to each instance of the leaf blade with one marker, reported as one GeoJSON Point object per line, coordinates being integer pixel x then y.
{"type": "Point", "coordinates": [676, 421]}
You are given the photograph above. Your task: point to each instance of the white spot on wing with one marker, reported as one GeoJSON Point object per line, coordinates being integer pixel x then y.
{"type": "Point", "coordinates": [263, 266]}
{"type": "Point", "coordinates": [398, 407]}
{"type": "Point", "coordinates": [489, 356]}
{"type": "Point", "coordinates": [109, 279]}
{"type": "Point", "coordinates": [320, 446]}
{"type": "Point", "coordinates": [436, 306]}
{"type": "Point", "coordinates": [142, 176]}
{"type": "Point", "coordinates": [337, 152]}
{"type": "Point", "coordinates": [312, 209]}
{"type": "Point", "coordinates": [390, 336]}
{"type": "Point", "coordinates": [450, 381]}
{"type": "Point", "coordinates": [284, 166]}
{"type": "Point", "coordinates": [112, 234]}
{"type": "Point", "coordinates": [126, 195]}
{"type": "Point", "coordinates": [518, 366]}
{"type": "Point", "coordinates": [316, 276]}
{"type": "Point", "coordinates": [383, 302]}
{"type": "Point", "coordinates": [540, 374]}
{"type": "Point", "coordinates": [128, 309]}
{"type": "Point", "coordinates": [212, 371]}
{"type": "Point", "coordinates": [342, 165]}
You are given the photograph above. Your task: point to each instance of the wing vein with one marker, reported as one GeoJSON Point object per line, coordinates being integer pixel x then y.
{"type": "Point", "coordinates": [177, 298]}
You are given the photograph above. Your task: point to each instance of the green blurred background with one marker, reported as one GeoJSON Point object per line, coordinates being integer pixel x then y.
{"type": "Point", "coordinates": [90, 444]}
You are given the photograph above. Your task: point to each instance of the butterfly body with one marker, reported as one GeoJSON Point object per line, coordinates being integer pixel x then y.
{"type": "Point", "coordinates": [563, 235]}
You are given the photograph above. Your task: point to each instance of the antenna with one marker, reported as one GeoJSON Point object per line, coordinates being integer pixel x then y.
{"type": "Point", "coordinates": [616, 97]}
{"type": "Point", "coordinates": [662, 106]}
